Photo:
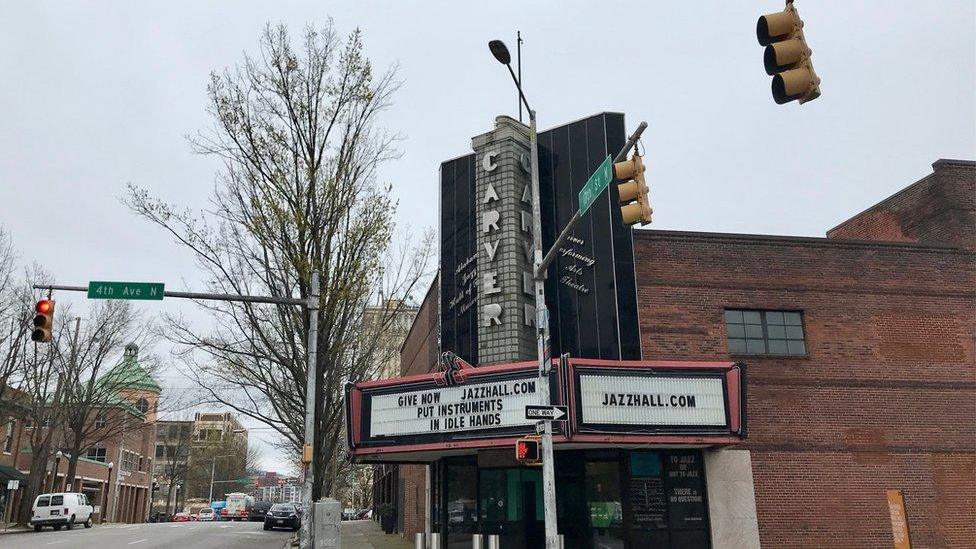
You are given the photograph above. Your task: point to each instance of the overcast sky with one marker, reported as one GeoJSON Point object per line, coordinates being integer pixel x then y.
{"type": "Point", "coordinates": [95, 95]}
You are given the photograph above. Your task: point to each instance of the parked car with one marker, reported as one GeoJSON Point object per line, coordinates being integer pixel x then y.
{"type": "Point", "coordinates": [206, 514]}
{"type": "Point", "coordinates": [282, 515]}
{"type": "Point", "coordinates": [182, 517]}
{"type": "Point", "coordinates": [259, 511]}
{"type": "Point", "coordinates": [364, 514]}
{"type": "Point", "coordinates": [61, 509]}
{"type": "Point", "coordinates": [348, 513]}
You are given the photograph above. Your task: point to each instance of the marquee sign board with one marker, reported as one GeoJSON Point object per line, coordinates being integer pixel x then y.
{"type": "Point", "coordinates": [488, 404]}
{"type": "Point", "coordinates": [468, 407]}
{"type": "Point", "coordinates": [658, 400]}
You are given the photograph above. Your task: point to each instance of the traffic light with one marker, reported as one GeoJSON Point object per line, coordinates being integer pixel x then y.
{"type": "Point", "coordinates": [43, 321]}
{"type": "Point", "coordinates": [527, 450]}
{"type": "Point", "coordinates": [787, 56]}
{"type": "Point", "coordinates": [635, 203]}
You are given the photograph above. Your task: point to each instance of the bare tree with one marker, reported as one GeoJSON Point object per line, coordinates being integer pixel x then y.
{"type": "Point", "coordinates": [296, 132]}
{"type": "Point", "coordinates": [16, 308]}
{"type": "Point", "coordinates": [40, 379]}
{"type": "Point", "coordinates": [95, 403]}
{"type": "Point", "coordinates": [175, 458]}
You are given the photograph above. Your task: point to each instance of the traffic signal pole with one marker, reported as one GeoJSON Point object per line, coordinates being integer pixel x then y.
{"type": "Point", "coordinates": [306, 536]}
{"type": "Point", "coordinates": [310, 304]}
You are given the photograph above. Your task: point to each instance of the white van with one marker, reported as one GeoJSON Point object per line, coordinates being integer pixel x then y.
{"type": "Point", "coordinates": [61, 509]}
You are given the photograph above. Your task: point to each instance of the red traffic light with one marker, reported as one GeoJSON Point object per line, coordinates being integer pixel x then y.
{"type": "Point", "coordinates": [43, 321]}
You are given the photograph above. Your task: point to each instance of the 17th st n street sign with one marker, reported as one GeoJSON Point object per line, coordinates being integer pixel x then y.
{"type": "Point", "coordinates": [595, 185]}
{"type": "Point", "coordinates": [125, 290]}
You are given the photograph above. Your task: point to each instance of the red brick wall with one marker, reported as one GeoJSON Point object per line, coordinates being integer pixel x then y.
{"type": "Point", "coordinates": [938, 209]}
{"type": "Point", "coordinates": [885, 398]}
{"type": "Point", "coordinates": [418, 354]}
{"type": "Point", "coordinates": [414, 498]}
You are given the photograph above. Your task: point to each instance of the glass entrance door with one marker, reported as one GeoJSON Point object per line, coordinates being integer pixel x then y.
{"type": "Point", "coordinates": [511, 506]}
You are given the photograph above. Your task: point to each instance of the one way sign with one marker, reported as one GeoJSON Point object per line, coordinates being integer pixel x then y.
{"type": "Point", "coordinates": [552, 413]}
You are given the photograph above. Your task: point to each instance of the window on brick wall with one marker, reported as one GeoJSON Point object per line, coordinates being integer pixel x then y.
{"type": "Point", "coordinates": [753, 332]}
{"type": "Point", "coordinates": [97, 454]}
{"type": "Point", "coordinates": [8, 436]}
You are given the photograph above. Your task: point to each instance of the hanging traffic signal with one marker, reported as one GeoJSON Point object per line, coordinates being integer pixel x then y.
{"type": "Point", "coordinates": [527, 450]}
{"type": "Point", "coordinates": [787, 56]}
{"type": "Point", "coordinates": [635, 202]}
{"type": "Point", "coordinates": [43, 321]}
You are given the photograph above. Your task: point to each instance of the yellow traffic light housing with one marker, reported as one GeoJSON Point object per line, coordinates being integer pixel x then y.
{"type": "Point", "coordinates": [787, 56]}
{"type": "Point", "coordinates": [635, 202]}
{"type": "Point", "coordinates": [43, 321]}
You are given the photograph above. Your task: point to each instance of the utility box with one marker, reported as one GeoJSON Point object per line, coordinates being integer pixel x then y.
{"type": "Point", "coordinates": [326, 520]}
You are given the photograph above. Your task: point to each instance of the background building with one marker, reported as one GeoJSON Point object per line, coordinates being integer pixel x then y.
{"type": "Point", "coordinates": [173, 444]}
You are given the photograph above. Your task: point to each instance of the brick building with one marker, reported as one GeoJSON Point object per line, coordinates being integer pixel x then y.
{"type": "Point", "coordinates": [116, 472]}
{"type": "Point", "coordinates": [860, 350]}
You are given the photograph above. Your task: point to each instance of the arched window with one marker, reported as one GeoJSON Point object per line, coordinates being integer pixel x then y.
{"type": "Point", "coordinates": [143, 405]}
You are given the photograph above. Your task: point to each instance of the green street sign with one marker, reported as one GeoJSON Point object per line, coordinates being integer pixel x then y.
{"type": "Point", "coordinates": [125, 290]}
{"type": "Point", "coordinates": [595, 185]}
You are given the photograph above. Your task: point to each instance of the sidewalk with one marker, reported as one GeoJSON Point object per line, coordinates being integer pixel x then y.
{"type": "Point", "coordinates": [366, 534]}
{"type": "Point", "coordinates": [11, 528]}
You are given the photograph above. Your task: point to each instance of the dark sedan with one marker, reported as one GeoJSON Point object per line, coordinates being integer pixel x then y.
{"type": "Point", "coordinates": [259, 511]}
{"type": "Point", "coordinates": [282, 515]}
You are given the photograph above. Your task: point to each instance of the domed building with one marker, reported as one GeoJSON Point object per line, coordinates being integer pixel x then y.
{"type": "Point", "coordinates": [114, 469]}
{"type": "Point", "coordinates": [130, 493]}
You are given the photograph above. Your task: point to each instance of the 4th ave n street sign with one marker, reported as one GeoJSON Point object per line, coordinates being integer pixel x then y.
{"type": "Point", "coordinates": [595, 185]}
{"type": "Point", "coordinates": [125, 290]}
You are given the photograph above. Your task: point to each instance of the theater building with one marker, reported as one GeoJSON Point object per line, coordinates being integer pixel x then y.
{"type": "Point", "coordinates": [724, 390]}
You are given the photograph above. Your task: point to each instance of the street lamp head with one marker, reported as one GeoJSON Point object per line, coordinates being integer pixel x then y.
{"type": "Point", "coordinates": [111, 464]}
{"type": "Point", "coordinates": [60, 454]}
{"type": "Point", "coordinates": [500, 51]}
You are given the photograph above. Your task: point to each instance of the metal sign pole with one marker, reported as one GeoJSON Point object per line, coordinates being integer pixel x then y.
{"type": "Point", "coordinates": [542, 345]}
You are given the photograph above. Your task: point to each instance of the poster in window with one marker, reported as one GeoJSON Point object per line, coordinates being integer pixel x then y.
{"type": "Point", "coordinates": [685, 491]}
{"type": "Point", "coordinates": [648, 501]}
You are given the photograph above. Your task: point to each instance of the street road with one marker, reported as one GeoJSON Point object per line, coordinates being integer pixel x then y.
{"type": "Point", "coordinates": [179, 535]}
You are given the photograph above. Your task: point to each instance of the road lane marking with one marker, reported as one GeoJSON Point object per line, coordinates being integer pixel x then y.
{"type": "Point", "coordinates": [58, 541]}
{"type": "Point", "coordinates": [175, 525]}
{"type": "Point", "coordinates": [137, 541]}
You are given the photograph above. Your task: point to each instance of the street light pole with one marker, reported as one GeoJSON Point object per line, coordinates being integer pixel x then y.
{"type": "Point", "coordinates": [108, 495]}
{"type": "Point", "coordinates": [500, 51]}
